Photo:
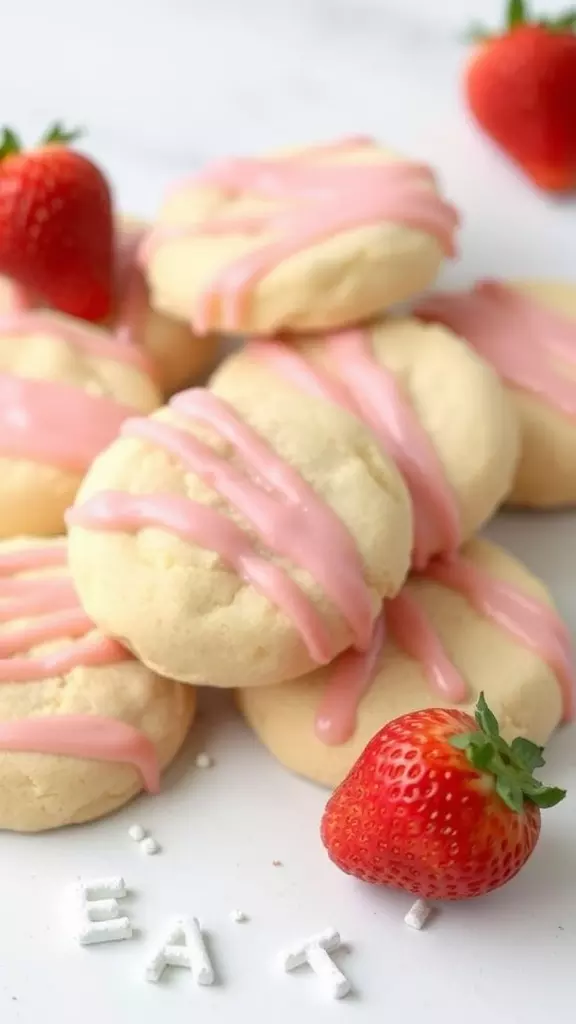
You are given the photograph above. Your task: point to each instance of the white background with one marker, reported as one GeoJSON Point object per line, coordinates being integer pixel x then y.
{"type": "Point", "coordinates": [163, 86]}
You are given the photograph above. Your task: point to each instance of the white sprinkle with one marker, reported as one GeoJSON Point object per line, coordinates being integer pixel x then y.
{"type": "Point", "coordinates": [137, 833]}
{"type": "Point", "coordinates": [184, 947]}
{"type": "Point", "coordinates": [418, 915]}
{"type": "Point", "coordinates": [105, 931]}
{"type": "Point", "coordinates": [103, 888]}
{"type": "Point", "coordinates": [238, 916]}
{"type": "Point", "coordinates": [102, 910]}
{"type": "Point", "coordinates": [315, 951]}
{"type": "Point", "coordinates": [150, 846]}
{"type": "Point", "coordinates": [100, 919]}
{"type": "Point", "coordinates": [204, 760]}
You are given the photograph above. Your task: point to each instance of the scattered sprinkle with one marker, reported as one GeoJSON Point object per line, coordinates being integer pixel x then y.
{"type": "Point", "coordinates": [418, 915]}
{"type": "Point", "coordinates": [103, 888]}
{"type": "Point", "coordinates": [204, 760]}
{"type": "Point", "coordinates": [315, 951]}
{"type": "Point", "coordinates": [238, 916]}
{"type": "Point", "coordinates": [150, 846]}
{"type": "Point", "coordinates": [137, 833]}
{"type": "Point", "coordinates": [105, 931]}
{"type": "Point", "coordinates": [100, 919]}
{"type": "Point", "coordinates": [184, 947]}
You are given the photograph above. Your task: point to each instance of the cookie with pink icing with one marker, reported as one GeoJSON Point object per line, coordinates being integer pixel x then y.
{"type": "Point", "coordinates": [527, 331]}
{"type": "Point", "coordinates": [436, 408]}
{"type": "Point", "coordinates": [65, 389]}
{"type": "Point", "coordinates": [178, 357]}
{"type": "Point", "coordinates": [240, 539]}
{"type": "Point", "coordinates": [481, 623]}
{"type": "Point", "coordinates": [307, 239]}
{"type": "Point", "coordinates": [83, 726]}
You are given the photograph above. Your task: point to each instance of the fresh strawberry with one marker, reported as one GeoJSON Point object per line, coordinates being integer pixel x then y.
{"type": "Point", "coordinates": [56, 225]}
{"type": "Point", "coordinates": [521, 88]}
{"type": "Point", "coordinates": [439, 805]}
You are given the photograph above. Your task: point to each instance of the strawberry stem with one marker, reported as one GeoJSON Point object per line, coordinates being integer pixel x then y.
{"type": "Point", "coordinates": [517, 14]}
{"type": "Point", "coordinates": [9, 143]}
{"type": "Point", "coordinates": [511, 764]}
{"type": "Point", "coordinates": [57, 134]}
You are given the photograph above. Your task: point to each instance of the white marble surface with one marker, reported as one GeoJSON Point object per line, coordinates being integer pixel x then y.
{"type": "Point", "coordinates": [164, 85]}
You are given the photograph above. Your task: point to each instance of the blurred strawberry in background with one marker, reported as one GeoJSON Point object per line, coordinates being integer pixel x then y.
{"type": "Point", "coordinates": [520, 86]}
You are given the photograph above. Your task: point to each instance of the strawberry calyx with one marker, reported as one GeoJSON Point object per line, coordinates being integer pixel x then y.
{"type": "Point", "coordinates": [56, 134]}
{"type": "Point", "coordinates": [518, 16]}
{"type": "Point", "coordinates": [512, 765]}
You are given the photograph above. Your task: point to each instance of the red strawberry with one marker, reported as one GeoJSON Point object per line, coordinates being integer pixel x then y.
{"type": "Point", "coordinates": [521, 88]}
{"type": "Point", "coordinates": [438, 804]}
{"type": "Point", "coordinates": [56, 225]}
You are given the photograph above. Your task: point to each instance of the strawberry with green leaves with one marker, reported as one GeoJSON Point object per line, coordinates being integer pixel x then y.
{"type": "Point", "coordinates": [439, 805]}
{"type": "Point", "coordinates": [520, 86]}
{"type": "Point", "coordinates": [56, 224]}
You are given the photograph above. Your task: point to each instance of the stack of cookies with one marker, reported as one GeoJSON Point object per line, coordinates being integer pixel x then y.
{"type": "Point", "coordinates": [301, 530]}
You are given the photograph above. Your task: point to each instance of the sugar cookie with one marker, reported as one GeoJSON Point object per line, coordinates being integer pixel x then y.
{"type": "Point", "coordinates": [439, 410]}
{"type": "Point", "coordinates": [308, 239]}
{"type": "Point", "coordinates": [242, 541]}
{"type": "Point", "coordinates": [83, 726]}
{"type": "Point", "coordinates": [65, 388]}
{"type": "Point", "coordinates": [178, 358]}
{"type": "Point", "coordinates": [481, 623]}
{"type": "Point", "coordinates": [527, 330]}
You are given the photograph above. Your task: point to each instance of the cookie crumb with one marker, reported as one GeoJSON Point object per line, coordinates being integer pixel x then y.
{"type": "Point", "coordinates": [137, 833]}
{"type": "Point", "coordinates": [204, 760]}
{"type": "Point", "coordinates": [150, 846]}
{"type": "Point", "coordinates": [238, 916]}
{"type": "Point", "coordinates": [418, 915]}
{"type": "Point", "coordinates": [277, 864]}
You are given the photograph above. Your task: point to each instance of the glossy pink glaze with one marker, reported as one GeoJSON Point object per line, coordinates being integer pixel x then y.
{"type": "Point", "coordinates": [350, 676]}
{"type": "Point", "coordinates": [131, 289]}
{"type": "Point", "coordinates": [49, 422]}
{"type": "Point", "coordinates": [353, 378]}
{"type": "Point", "coordinates": [52, 606]}
{"type": "Point", "coordinates": [52, 422]}
{"type": "Point", "coordinates": [77, 334]}
{"type": "Point", "coordinates": [313, 199]}
{"type": "Point", "coordinates": [284, 511]}
{"type": "Point", "coordinates": [85, 736]}
{"type": "Point", "coordinates": [532, 624]}
{"type": "Point", "coordinates": [524, 340]}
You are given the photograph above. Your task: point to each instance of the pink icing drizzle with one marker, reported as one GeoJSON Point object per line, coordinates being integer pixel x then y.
{"type": "Point", "coordinates": [352, 378]}
{"type": "Point", "coordinates": [350, 677]}
{"type": "Point", "coordinates": [518, 335]}
{"type": "Point", "coordinates": [532, 624]}
{"type": "Point", "coordinates": [313, 201]}
{"type": "Point", "coordinates": [55, 423]}
{"type": "Point", "coordinates": [60, 617]}
{"type": "Point", "coordinates": [52, 422]}
{"type": "Point", "coordinates": [131, 288]}
{"type": "Point", "coordinates": [84, 736]}
{"type": "Point", "coordinates": [286, 514]}
{"type": "Point", "coordinates": [74, 333]}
